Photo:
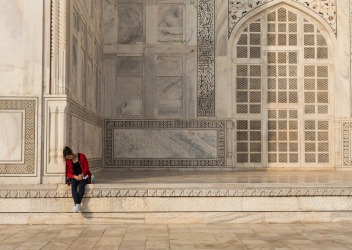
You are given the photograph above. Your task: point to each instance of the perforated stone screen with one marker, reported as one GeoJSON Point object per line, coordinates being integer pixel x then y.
{"type": "Point", "coordinates": [282, 78]}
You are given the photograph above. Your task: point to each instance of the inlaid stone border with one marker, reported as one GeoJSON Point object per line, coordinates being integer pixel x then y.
{"type": "Point", "coordinates": [110, 125]}
{"type": "Point", "coordinates": [97, 192]}
{"type": "Point", "coordinates": [29, 106]}
{"type": "Point", "coordinates": [346, 134]}
{"type": "Point", "coordinates": [206, 58]}
{"type": "Point", "coordinates": [325, 9]}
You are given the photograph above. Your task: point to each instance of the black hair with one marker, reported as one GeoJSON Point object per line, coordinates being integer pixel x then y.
{"type": "Point", "coordinates": [67, 151]}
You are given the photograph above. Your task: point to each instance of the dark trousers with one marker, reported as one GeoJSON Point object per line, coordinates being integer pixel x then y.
{"type": "Point", "coordinates": [78, 195]}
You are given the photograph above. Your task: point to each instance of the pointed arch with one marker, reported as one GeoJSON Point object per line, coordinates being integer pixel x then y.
{"type": "Point", "coordinates": [281, 61]}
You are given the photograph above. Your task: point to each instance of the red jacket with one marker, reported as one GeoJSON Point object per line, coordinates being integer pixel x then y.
{"type": "Point", "coordinates": [84, 166]}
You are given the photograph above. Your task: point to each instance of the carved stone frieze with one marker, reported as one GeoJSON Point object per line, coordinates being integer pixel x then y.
{"type": "Point", "coordinates": [106, 192]}
{"type": "Point", "coordinates": [324, 8]}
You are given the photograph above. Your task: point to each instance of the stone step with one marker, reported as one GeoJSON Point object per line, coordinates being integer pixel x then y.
{"type": "Point", "coordinates": [177, 203]}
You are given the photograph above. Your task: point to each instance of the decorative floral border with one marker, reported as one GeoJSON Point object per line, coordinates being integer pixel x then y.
{"type": "Point", "coordinates": [324, 8]}
{"type": "Point", "coordinates": [110, 125]}
{"type": "Point", "coordinates": [29, 106]}
{"type": "Point", "coordinates": [206, 58]}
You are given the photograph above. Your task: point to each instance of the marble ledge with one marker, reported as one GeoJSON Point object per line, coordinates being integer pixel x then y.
{"type": "Point", "coordinates": [176, 190]}
{"type": "Point", "coordinates": [152, 49]}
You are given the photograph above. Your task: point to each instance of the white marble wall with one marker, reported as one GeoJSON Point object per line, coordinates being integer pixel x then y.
{"type": "Point", "coordinates": [150, 59]}
{"type": "Point", "coordinates": [21, 69]}
{"type": "Point", "coordinates": [11, 134]}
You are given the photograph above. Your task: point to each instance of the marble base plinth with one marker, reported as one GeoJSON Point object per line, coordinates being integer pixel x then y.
{"type": "Point", "coordinates": [178, 203]}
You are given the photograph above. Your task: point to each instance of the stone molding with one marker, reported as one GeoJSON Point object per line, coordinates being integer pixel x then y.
{"type": "Point", "coordinates": [206, 58]}
{"type": "Point", "coordinates": [29, 106]}
{"type": "Point", "coordinates": [85, 114]}
{"type": "Point", "coordinates": [110, 125]}
{"type": "Point", "coordinates": [93, 192]}
{"type": "Point", "coordinates": [346, 130]}
{"type": "Point", "coordinates": [325, 9]}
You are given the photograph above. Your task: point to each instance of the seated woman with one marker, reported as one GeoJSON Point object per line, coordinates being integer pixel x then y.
{"type": "Point", "coordinates": [77, 172]}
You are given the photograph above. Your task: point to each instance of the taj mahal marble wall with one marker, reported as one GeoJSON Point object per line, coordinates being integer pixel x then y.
{"type": "Point", "coordinates": [51, 87]}
{"type": "Point", "coordinates": [210, 75]}
{"type": "Point", "coordinates": [174, 83]}
{"type": "Point", "coordinates": [21, 72]}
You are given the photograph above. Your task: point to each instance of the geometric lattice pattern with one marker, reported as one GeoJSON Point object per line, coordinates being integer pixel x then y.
{"type": "Point", "coordinates": [29, 106]}
{"type": "Point", "coordinates": [316, 89]}
{"type": "Point", "coordinates": [249, 141]}
{"type": "Point", "coordinates": [283, 82]}
{"type": "Point", "coordinates": [282, 28]}
{"type": "Point", "coordinates": [248, 89]}
{"type": "Point", "coordinates": [282, 77]}
{"type": "Point", "coordinates": [316, 137]}
{"type": "Point", "coordinates": [283, 136]}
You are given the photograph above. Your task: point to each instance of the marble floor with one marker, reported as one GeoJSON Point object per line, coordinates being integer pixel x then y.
{"type": "Point", "coordinates": [335, 178]}
{"type": "Point", "coordinates": [168, 236]}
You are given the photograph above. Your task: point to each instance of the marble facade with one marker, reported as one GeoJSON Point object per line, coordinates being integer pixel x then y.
{"type": "Point", "coordinates": [174, 84]}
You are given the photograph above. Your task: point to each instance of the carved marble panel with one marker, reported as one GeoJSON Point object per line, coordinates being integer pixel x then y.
{"type": "Point", "coordinates": [170, 23]}
{"type": "Point", "coordinates": [164, 143]}
{"type": "Point", "coordinates": [206, 58]}
{"type": "Point", "coordinates": [324, 8]}
{"type": "Point", "coordinates": [24, 147]}
{"type": "Point", "coordinates": [130, 23]}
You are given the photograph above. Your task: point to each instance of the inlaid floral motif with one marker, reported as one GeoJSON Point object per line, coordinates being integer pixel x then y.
{"type": "Point", "coordinates": [324, 8]}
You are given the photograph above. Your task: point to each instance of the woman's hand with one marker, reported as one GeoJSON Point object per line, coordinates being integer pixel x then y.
{"type": "Point", "coordinates": [78, 177]}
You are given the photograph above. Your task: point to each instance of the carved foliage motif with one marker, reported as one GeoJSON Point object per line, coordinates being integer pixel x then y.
{"type": "Point", "coordinates": [324, 8]}
{"type": "Point", "coordinates": [206, 58]}
{"type": "Point", "coordinates": [29, 106]}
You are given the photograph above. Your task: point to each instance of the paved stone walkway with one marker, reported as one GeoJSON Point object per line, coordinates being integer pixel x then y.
{"type": "Point", "coordinates": [160, 237]}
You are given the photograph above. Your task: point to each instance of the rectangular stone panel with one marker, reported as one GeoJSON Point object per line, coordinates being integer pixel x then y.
{"type": "Point", "coordinates": [170, 18]}
{"type": "Point", "coordinates": [11, 136]}
{"type": "Point", "coordinates": [129, 96]}
{"type": "Point", "coordinates": [164, 143]}
{"type": "Point", "coordinates": [19, 115]}
{"type": "Point", "coordinates": [130, 23]}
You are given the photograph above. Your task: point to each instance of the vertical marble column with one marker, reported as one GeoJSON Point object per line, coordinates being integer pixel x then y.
{"type": "Point", "coordinates": [55, 139]}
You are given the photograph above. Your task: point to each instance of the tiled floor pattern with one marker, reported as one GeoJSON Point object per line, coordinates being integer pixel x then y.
{"type": "Point", "coordinates": [177, 236]}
